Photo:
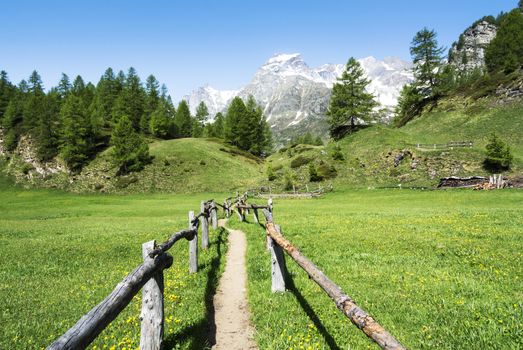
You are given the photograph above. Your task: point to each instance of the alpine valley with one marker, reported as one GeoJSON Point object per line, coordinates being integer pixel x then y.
{"type": "Point", "coordinates": [295, 97]}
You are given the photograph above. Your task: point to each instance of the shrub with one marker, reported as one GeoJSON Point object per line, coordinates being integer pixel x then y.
{"type": "Point", "coordinates": [299, 161]}
{"type": "Point", "coordinates": [271, 176]}
{"type": "Point", "coordinates": [326, 171]}
{"type": "Point", "coordinates": [336, 153]}
{"type": "Point", "coordinates": [499, 157]}
{"type": "Point", "coordinates": [313, 174]}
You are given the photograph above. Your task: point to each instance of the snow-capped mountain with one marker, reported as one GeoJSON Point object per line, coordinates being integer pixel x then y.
{"type": "Point", "coordinates": [215, 100]}
{"type": "Point", "coordinates": [295, 96]}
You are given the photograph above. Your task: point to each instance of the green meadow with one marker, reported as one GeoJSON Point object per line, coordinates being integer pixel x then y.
{"type": "Point", "coordinates": [439, 269]}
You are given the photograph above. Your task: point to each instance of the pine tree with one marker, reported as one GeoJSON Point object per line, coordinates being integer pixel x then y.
{"type": "Point", "coordinates": [183, 120]}
{"type": "Point", "coordinates": [7, 91]}
{"type": "Point", "coordinates": [46, 131]}
{"type": "Point", "coordinates": [427, 59]}
{"type": "Point", "coordinates": [217, 126]}
{"type": "Point", "coordinates": [74, 133]}
{"type": "Point", "coordinates": [505, 51]}
{"type": "Point", "coordinates": [233, 117]}
{"type": "Point", "coordinates": [499, 157]}
{"type": "Point", "coordinates": [199, 119]}
{"type": "Point", "coordinates": [64, 86]}
{"type": "Point", "coordinates": [159, 122]}
{"type": "Point", "coordinates": [106, 92]}
{"type": "Point", "coordinates": [131, 100]}
{"type": "Point", "coordinates": [152, 100]}
{"type": "Point", "coordinates": [12, 122]}
{"type": "Point", "coordinates": [349, 99]}
{"type": "Point", "coordinates": [34, 102]}
{"type": "Point", "coordinates": [130, 152]}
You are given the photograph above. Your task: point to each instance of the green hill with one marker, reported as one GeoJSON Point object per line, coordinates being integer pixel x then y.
{"type": "Point", "coordinates": [181, 166]}
{"type": "Point", "coordinates": [368, 155]}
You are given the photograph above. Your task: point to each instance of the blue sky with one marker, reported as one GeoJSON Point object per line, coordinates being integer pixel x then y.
{"type": "Point", "coordinates": [186, 44]}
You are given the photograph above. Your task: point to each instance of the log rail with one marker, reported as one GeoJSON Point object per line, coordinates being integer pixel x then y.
{"type": "Point", "coordinates": [147, 277]}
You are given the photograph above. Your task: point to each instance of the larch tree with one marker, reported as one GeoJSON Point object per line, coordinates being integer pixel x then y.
{"type": "Point", "coordinates": [183, 119]}
{"type": "Point", "coordinates": [130, 151]}
{"type": "Point", "coordinates": [350, 99]}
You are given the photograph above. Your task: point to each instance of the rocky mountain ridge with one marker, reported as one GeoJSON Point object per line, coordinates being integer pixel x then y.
{"type": "Point", "coordinates": [295, 96]}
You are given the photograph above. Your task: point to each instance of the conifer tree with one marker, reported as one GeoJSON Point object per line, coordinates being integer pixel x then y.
{"type": "Point", "coordinates": [34, 102]}
{"type": "Point", "coordinates": [7, 91]}
{"type": "Point", "coordinates": [130, 152]}
{"type": "Point", "coordinates": [350, 99]}
{"type": "Point", "coordinates": [235, 113]}
{"type": "Point", "coordinates": [199, 119]}
{"type": "Point", "coordinates": [74, 134]}
{"type": "Point", "coordinates": [183, 120]}
{"type": "Point", "coordinates": [427, 59]}
{"type": "Point", "coordinates": [64, 86]}
{"type": "Point", "coordinates": [505, 51]}
{"type": "Point", "coordinates": [499, 157]}
{"type": "Point", "coordinates": [131, 100]}
{"type": "Point", "coordinates": [159, 122]}
{"type": "Point", "coordinates": [12, 122]}
{"type": "Point", "coordinates": [106, 92]}
{"type": "Point", "coordinates": [217, 126]}
{"type": "Point", "coordinates": [152, 100]}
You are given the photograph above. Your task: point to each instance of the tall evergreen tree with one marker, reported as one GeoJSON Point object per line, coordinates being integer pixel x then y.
{"type": "Point", "coordinates": [74, 134]}
{"type": "Point", "coordinates": [130, 152]}
{"type": "Point", "coordinates": [106, 92]}
{"type": "Point", "coordinates": [183, 120]}
{"type": "Point", "coordinates": [350, 99]}
{"type": "Point", "coordinates": [34, 102]}
{"type": "Point", "coordinates": [7, 91]}
{"type": "Point", "coordinates": [505, 51]}
{"type": "Point", "coordinates": [233, 117]}
{"type": "Point", "coordinates": [131, 100]}
{"type": "Point", "coordinates": [159, 122]}
{"type": "Point", "coordinates": [46, 130]}
{"type": "Point", "coordinates": [64, 86]}
{"type": "Point", "coordinates": [427, 59]}
{"type": "Point", "coordinates": [152, 100]}
{"type": "Point", "coordinates": [199, 119]}
{"type": "Point", "coordinates": [12, 121]}
{"type": "Point", "coordinates": [218, 126]}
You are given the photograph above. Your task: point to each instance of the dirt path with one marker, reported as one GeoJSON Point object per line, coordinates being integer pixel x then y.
{"type": "Point", "coordinates": [233, 329]}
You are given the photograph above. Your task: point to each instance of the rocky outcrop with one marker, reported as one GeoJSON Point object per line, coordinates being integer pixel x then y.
{"type": "Point", "coordinates": [469, 52]}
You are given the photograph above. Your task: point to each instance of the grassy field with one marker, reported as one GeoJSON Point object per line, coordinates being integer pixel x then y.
{"type": "Point", "coordinates": [438, 269]}
{"type": "Point", "coordinates": [61, 254]}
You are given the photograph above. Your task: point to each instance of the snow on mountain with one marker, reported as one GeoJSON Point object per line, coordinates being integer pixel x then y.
{"type": "Point", "coordinates": [215, 100]}
{"type": "Point", "coordinates": [295, 96]}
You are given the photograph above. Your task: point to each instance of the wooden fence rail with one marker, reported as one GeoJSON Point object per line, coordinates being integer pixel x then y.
{"type": "Point", "coordinates": [359, 317]}
{"type": "Point", "coordinates": [148, 277]}
{"type": "Point", "coordinates": [450, 145]}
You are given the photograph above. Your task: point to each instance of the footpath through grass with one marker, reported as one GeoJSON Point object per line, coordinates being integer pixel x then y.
{"type": "Point", "coordinates": [438, 269]}
{"type": "Point", "coordinates": [61, 254]}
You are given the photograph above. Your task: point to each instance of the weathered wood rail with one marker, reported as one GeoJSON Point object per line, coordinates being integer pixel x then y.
{"type": "Point", "coordinates": [147, 277]}
{"type": "Point", "coordinates": [450, 145]}
{"type": "Point", "coordinates": [277, 244]}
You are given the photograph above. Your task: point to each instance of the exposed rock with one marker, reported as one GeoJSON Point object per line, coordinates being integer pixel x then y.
{"type": "Point", "coordinates": [454, 181]}
{"type": "Point", "coordinates": [469, 52]}
{"type": "Point", "coordinates": [402, 155]}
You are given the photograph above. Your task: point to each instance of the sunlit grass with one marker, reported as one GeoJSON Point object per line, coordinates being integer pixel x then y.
{"type": "Point", "coordinates": [438, 269]}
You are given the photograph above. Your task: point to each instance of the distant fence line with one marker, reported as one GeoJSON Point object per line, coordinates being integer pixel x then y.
{"type": "Point", "coordinates": [450, 145]}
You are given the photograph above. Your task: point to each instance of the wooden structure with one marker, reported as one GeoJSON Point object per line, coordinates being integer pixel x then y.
{"type": "Point", "coordinates": [461, 182]}
{"type": "Point", "coordinates": [147, 277]}
{"type": "Point", "coordinates": [359, 317]}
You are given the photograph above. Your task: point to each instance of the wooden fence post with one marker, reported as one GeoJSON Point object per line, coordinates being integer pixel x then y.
{"type": "Point", "coordinates": [205, 226]}
{"type": "Point", "coordinates": [152, 317]}
{"type": "Point", "coordinates": [277, 266]}
{"type": "Point", "coordinates": [255, 213]}
{"type": "Point", "coordinates": [193, 247]}
{"type": "Point", "coordinates": [214, 216]}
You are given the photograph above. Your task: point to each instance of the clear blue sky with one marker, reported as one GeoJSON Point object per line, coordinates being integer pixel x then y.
{"type": "Point", "coordinates": [186, 44]}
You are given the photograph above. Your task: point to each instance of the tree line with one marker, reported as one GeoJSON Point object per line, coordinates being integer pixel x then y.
{"type": "Point", "coordinates": [76, 120]}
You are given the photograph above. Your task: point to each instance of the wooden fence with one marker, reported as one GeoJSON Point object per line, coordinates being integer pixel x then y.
{"type": "Point", "coordinates": [277, 244]}
{"type": "Point", "coordinates": [450, 145]}
{"type": "Point", "coordinates": [147, 277]}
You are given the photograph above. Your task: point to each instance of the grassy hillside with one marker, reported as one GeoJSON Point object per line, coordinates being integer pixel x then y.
{"type": "Point", "coordinates": [368, 155]}
{"type": "Point", "coordinates": [179, 166]}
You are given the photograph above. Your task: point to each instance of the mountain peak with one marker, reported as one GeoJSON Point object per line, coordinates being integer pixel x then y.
{"type": "Point", "coordinates": [280, 58]}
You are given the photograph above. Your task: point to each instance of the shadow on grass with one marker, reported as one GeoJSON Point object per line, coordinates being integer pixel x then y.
{"type": "Point", "coordinates": [202, 335]}
{"type": "Point", "coordinates": [289, 282]}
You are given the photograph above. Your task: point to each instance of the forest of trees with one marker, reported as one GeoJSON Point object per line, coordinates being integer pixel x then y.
{"type": "Point", "coordinates": [76, 120]}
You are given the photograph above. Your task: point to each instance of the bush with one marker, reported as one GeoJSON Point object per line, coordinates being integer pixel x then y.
{"type": "Point", "coordinates": [326, 171]}
{"type": "Point", "coordinates": [337, 154]}
{"type": "Point", "coordinates": [288, 183]}
{"type": "Point", "coordinates": [499, 157]}
{"type": "Point", "coordinates": [300, 161]}
{"type": "Point", "coordinates": [313, 174]}
{"type": "Point", "coordinates": [271, 176]}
